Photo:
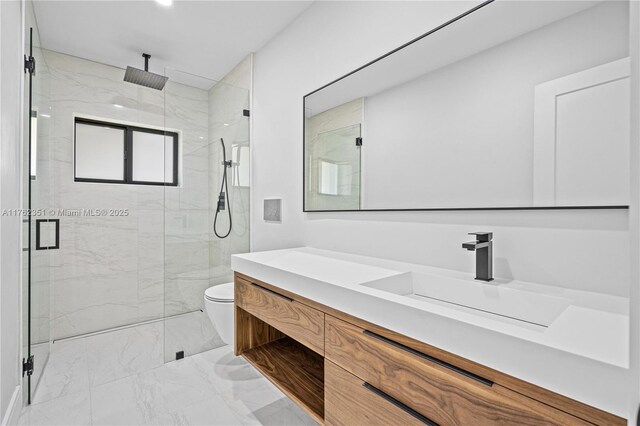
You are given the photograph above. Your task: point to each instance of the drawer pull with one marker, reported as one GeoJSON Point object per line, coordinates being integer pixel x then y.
{"type": "Point", "coordinates": [274, 292]}
{"type": "Point", "coordinates": [400, 405]}
{"type": "Point", "coordinates": [430, 358]}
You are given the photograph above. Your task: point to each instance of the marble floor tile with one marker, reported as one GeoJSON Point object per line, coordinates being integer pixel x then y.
{"type": "Point", "coordinates": [67, 410]}
{"type": "Point", "coordinates": [126, 401]}
{"type": "Point", "coordinates": [124, 352]}
{"type": "Point", "coordinates": [282, 412]}
{"type": "Point", "coordinates": [247, 391]}
{"type": "Point", "coordinates": [212, 411]}
{"type": "Point", "coordinates": [178, 384]}
{"type": "Point", "coordinates": [66, 371]}
{"type": "Point", "coordinates": [41, 353]}
{"type": "Point", "coordinates": [192, 333]}
{"type": "Point", "coordinates": [118, 378]}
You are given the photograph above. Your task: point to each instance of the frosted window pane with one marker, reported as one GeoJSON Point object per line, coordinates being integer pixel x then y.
{"type": "Point", "coordinates": [99, 152]}
{"type": "Point", "coordinates": [152, 157]}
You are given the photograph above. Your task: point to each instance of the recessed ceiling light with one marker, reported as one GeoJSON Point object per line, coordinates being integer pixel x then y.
{"type": "Point", "coordinates": [201, 137]}
{"type": "Point", "coordinates": [165, 3]}
{"type": "Point", "coordinates": [226, 124]}
{"type": "Point", "coordinates": [45, 115]}
{"type": "Point", "coordinates": [118, 106]}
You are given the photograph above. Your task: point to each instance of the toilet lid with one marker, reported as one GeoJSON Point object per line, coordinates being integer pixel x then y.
{"type": "Point", "coordinates": [220, 293]}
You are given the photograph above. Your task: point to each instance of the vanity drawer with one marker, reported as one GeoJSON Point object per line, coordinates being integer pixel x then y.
{"type": "Point", "coordinates": [443, 393]}
{"type": "Point", "coordinates": [298, 321]}
{"type": "Point", "coordinates": [349, 401]}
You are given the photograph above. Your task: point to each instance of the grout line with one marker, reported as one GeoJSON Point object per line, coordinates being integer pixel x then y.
{"type": "Point", "coordinates": [123, 327]}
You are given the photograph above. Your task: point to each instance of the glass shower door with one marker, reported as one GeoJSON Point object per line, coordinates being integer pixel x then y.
{"type": "Point", "coordinates": [195, 258]}
{"type": "Point", "coordinates": [333, 163]}
{"type": "Point", "coordinates": [40, 225]}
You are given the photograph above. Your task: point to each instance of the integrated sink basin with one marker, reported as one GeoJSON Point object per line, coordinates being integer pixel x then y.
{"type": "Point", "coordinates": [490, 298]}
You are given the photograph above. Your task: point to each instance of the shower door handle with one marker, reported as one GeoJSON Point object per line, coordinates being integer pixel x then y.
{"type": "Point", "coordinates": [43, 227]}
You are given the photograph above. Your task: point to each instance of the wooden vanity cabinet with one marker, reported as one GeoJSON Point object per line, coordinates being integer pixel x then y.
{"type": "Point", "coordinates": [345, 371]}
{"type": "Point", "coordinates": [296, 320]}
{"type": "Point", "coordinates": [441, 392]}
{"type": "Point", "coordinates": [349, 401]}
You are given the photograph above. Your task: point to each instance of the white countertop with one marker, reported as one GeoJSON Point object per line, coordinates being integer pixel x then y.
{"type": "Point", "coordinates": [583, 354]}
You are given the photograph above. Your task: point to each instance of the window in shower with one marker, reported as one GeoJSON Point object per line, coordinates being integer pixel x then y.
{"type": "Point", "coordinates": [107, 152]}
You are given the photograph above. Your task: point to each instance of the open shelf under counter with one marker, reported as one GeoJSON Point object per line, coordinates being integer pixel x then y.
{"type": "Point", "coordinates": [296, 370]}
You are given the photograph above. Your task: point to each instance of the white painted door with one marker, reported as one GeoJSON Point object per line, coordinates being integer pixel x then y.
{"type": "Point", "coordinates": [581, 138]}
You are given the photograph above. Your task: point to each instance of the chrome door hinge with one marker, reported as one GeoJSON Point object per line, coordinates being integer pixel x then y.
{"type": "Point", "coordinates": [27, 366]}
{"type": "Point", "coordinates": [30, 65]}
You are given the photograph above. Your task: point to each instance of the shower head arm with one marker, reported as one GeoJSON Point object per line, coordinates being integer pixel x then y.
{"type": "Point", "coordinates": [146, 57]}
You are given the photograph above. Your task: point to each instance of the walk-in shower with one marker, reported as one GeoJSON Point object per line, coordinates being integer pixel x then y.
{"type": "Point", "coordinates": [135, 248]}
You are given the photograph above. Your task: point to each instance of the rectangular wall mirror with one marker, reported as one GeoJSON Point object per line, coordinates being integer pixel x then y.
{"type": "Point", "coordinates": [512, 105]}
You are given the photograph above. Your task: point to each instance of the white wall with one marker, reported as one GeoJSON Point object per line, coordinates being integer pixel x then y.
{"type": "Point", "coordinates": [634, 217]}
{"type": "Point", "coordinates": [10, 245]}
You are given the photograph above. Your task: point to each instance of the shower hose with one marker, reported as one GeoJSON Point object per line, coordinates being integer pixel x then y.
{"type": "Point", "coordinates": [224, 194]}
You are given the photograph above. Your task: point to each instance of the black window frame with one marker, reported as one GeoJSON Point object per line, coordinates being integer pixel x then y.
{"type": "Point", "coordinates": [127, 177]}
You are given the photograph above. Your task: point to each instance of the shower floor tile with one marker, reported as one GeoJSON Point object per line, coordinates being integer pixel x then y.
{"type": "Point", "coordinates": [108, 379]}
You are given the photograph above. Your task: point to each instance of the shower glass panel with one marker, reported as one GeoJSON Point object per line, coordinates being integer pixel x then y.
{"type": "Point", "coordinates": [39, 228]}
{"type": "Point", "coordinates": [333, 180]}
{"type": "Point", "coordinates": [202, 112]}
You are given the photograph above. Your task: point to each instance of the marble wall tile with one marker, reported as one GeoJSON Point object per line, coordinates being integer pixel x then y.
{"type": "Point", "coordinates": [40, 310]}
{"type": "Point", "coordinates": [89, 303]}
{"type": "Point", "coordinates": [158, 260]}
{"type": "Point", "coordinates": [109, 271]}
{"type": "Point", "coordinates": [184, 292]}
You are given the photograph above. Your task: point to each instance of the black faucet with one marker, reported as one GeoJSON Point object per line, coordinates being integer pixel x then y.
{"type": "Point", "coordinates": [483, 246]}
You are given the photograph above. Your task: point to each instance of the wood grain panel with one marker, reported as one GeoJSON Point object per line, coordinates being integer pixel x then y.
{"type": "Point", "coordinates": [561, 402]}
{"type": "Point", "coordinates": [251, 332]}
{"type": "Point", "coordinates": [349, 403]}
{"type": "Point", "coordinates": [296, 370]}
{"type": "Point", "coordinates": [441, 394]}
{"type": "Point", "coordinates": [301, 322]}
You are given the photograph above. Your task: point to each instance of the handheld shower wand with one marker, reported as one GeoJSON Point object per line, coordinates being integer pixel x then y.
{"type": "Point", "coordinates": [223, 197]}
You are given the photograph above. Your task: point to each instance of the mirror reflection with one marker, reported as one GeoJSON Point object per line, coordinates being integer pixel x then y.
{"type": "Point", "coordinates": [516, 104]}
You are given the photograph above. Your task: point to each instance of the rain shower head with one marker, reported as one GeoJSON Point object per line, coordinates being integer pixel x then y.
{"type": "Point", "coordinates": [145, 78]}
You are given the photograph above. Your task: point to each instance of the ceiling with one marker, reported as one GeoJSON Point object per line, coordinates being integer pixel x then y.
{"type": "Point", "coordinates": [204, 38]}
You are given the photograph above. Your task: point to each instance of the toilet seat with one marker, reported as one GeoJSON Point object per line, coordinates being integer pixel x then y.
{"type": "Point", "coordinates": [222, 293]}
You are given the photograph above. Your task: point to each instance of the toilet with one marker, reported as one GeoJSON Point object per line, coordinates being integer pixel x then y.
{"type": "Point", "coordinates": [218, 301]}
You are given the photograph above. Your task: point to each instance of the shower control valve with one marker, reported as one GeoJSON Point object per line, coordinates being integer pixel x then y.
{"type": "Point", "coordinates": [221, 201]}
